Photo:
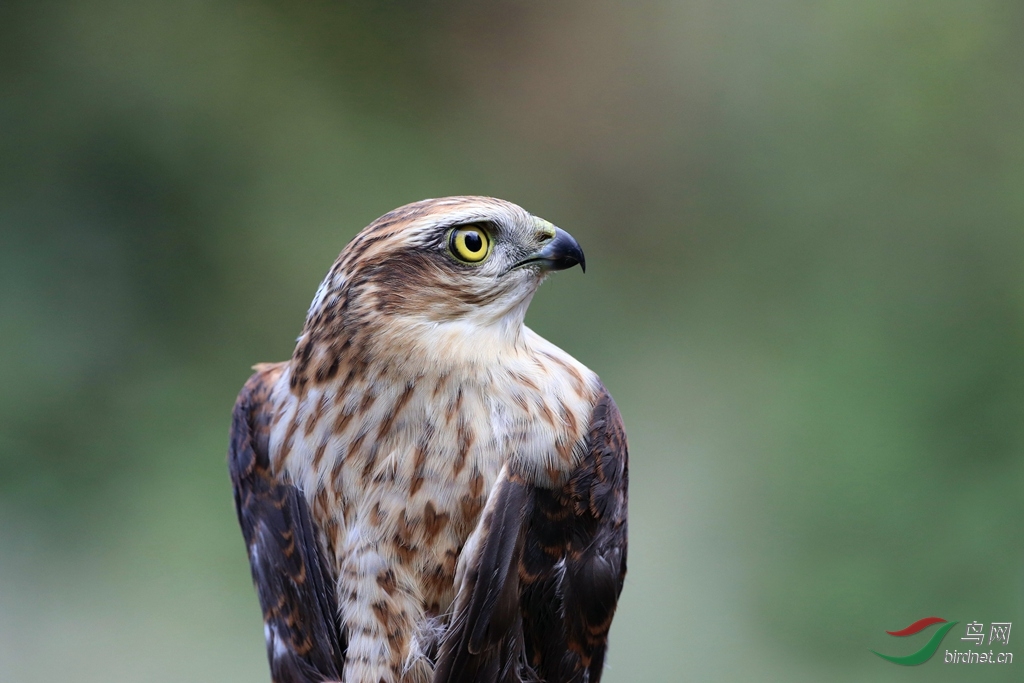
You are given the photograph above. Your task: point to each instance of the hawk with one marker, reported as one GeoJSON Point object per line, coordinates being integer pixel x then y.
{"type": "Point", "coordinates": [428, 490]}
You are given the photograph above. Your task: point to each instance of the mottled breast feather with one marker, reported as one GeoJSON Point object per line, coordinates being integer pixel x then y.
{"type": "Point", "coordinates": [536, 604]}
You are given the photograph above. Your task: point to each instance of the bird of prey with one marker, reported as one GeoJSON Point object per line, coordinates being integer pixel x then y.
{"type": "Point", "coordinates": [428, 490]}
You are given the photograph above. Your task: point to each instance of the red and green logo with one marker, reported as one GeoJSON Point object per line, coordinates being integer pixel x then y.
{"type": "Point", "coordinates": [926, 652]}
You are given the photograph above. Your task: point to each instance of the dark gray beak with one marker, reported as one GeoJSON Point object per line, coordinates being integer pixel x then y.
{"type": "Point", "coordinates": [558, 254]}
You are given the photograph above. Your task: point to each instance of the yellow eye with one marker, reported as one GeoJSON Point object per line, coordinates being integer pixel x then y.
{"type": "Point", "coordinates": [469, 244]}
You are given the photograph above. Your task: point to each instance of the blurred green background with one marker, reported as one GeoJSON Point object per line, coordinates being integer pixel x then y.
{"type": "Point", "coordinates": [805, 230]}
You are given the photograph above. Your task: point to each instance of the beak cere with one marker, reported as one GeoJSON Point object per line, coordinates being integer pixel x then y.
{"type": "Point", "coordinates": [562, 252]}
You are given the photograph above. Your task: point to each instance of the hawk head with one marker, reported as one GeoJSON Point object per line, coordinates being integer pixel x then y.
{"type": "Point", "coordinates": [438, 276]}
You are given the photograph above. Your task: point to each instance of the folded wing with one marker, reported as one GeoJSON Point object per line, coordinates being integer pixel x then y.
{"type": "Point", "coordinates": [546, 571]}
{"type": "Point", "coordinates": [305, 642]}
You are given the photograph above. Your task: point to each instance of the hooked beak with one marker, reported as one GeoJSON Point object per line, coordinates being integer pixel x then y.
{"type": "Point", "coordinates": [561, 252]}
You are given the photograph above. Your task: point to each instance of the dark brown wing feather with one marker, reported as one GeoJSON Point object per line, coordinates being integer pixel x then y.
{"type": "Point", "coordinates": [484, 642]}
{"type": "Point", "coordinates": [305, 643]}
{"type": "Point", "coordinates": [570, 551]}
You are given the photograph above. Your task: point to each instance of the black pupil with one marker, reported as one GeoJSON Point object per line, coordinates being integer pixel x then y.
{"type": "Point", "coordinates": [473, 242]}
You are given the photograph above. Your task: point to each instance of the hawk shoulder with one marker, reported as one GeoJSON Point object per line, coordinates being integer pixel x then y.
{"type": "Point", "coordinates": [290, 568]}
